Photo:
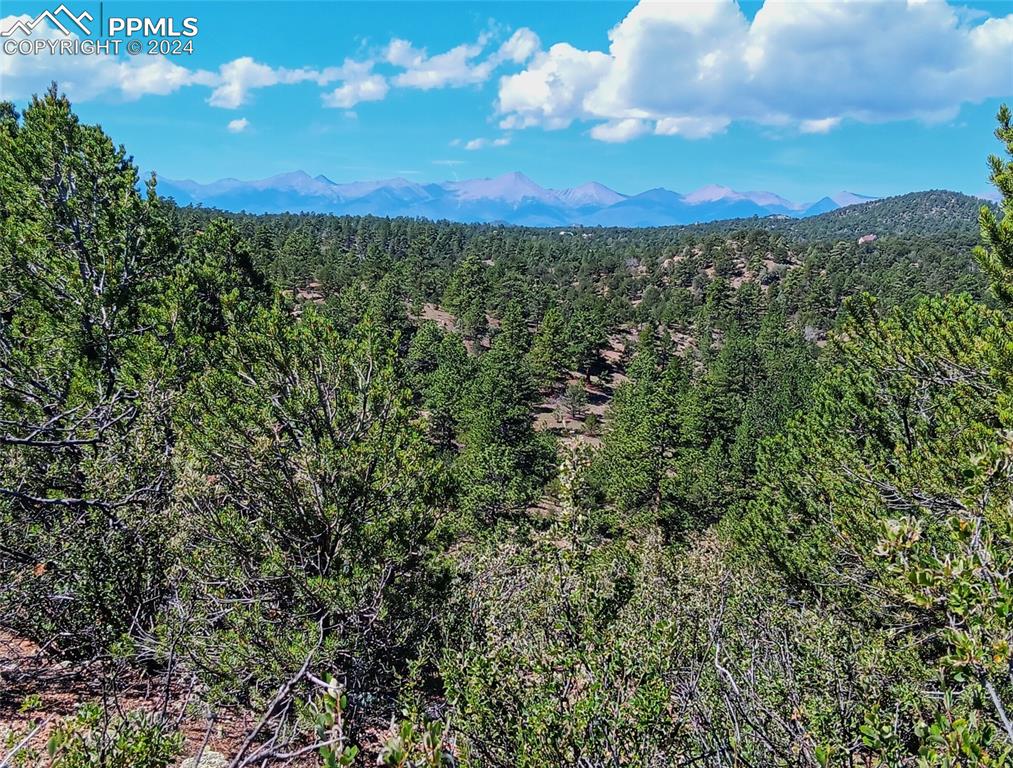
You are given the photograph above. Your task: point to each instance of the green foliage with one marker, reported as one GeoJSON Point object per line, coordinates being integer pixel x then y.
{"type": "Point", "coordinates": [504, 463]}
{"type": "Point", "coordinates": [566, 663]}
{"type": "Point", "coordinates": [309, 499]}
{"type": "Point", "coordinates": [575, 398]}
{"type": "Point", "coordinates": [939, 213]}
{"type": "Point", "coordinates": [466, 296]}
{"type": "Point", "coordinates": [680, 445]}
{"type": "Point", "coordinates": [417, 747]}
{"type": "Point", "coordinates": [93, 739]}
{"type": "Point", "coordinates": [996, 253]}
{"type": "Point", "coordinates": [630, 464]}
{"type": "Point", "coordinates": [891, 497]}
{"type": "Point", "coordinates": [513, 330]}
{"type": "Point", "coordinates": [587, 333]}
{"type": "Point", "coordinates": [446, 391]}
{"type": "Point", "coordinates": [330, 722]}
{"type": "Point", "coordinates": [548, 351]}
{"type": "Point", "coordinates": [84, 260]}
{"type": "Point", "coordinates": [229, 451]}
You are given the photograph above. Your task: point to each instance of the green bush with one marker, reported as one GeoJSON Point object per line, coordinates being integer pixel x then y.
{"type": "Point", "coordinates": [93, 738]}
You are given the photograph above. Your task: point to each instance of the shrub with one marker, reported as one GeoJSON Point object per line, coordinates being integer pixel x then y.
{"type": "Point", "coordinates": [94, 739]}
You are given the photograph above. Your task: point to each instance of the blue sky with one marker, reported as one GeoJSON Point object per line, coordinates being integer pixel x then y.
{"type": "Point", "coordinates": [801, 98]}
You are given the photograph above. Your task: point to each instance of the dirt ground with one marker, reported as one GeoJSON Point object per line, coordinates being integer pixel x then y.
{"type": "Point", "coordinates": [36, 692]}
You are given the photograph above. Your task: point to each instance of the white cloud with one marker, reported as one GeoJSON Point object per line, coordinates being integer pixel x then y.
{"type": "Point", "coordinates": [825, 125]}
{"type": "Point", "coordinates": [369, 88]}
{"type": "Point", "coordinates": [620, 130]}
{"type": "Point", "coordinates": [238, 125]}
{"type": "Point", "coordinates": [522, 45]}
{"type": "Point", "coordinates": [238, 77]}
{"type": "Point", "coordinates": [402, 53]}
{"type": "Point", "coordinates": [692, 68]}
{"type": "Point", "coordinates": [691, 127]}
{"type": "Point", "coordinates": [551, 91]}
{"type": "Point", "coordinates": [452, 68]}
{"type": "Point", "coordinates": [459, 66]}
{"type": "Point", "coordinates": [474, 144]}
{"type": "Point", "coordinates": [687, 69]}
{"type": "Point", "coordinates": [358, 84]}
{"type": "Point", "coordinates": [232, 84]}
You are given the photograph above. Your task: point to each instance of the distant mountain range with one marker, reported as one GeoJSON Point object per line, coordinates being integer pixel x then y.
{"type": "Point", "coordinates": [512, 198]}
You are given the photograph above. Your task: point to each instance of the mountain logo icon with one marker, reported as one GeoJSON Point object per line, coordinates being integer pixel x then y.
{"type": "Point", "coordinates": [53, 17]}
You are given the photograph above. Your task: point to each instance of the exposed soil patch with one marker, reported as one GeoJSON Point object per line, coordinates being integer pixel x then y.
{"type": "Point", "coordinates": [37, 691]}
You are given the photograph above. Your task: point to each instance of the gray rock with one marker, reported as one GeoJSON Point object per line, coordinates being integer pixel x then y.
{"type": "Point", "coordinates": [210, 759]}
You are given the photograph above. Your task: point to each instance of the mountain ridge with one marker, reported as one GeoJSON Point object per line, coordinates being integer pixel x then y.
{"type": "Point", "coordinates": [513, 198]}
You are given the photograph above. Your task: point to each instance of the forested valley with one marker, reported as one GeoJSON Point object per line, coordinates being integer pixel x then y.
{"type": "Point", "coordinates": [336, 491]}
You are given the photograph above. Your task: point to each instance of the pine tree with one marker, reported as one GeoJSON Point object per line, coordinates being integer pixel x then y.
{"type": "Point", "coordinates": [85, 435]}
{"type": "Point", "coordinates": [447, 390]}
{"type": "Point", "coordinates": [466, 296]}
{"type": "Point", "coordinates": [513, 328]}
{"type": "Point", "coordinates": [996, 253]}
{"type": "Point", "coordinates": [548, 350]}
{"type": "Point", "coordinates": [505, 462]}
{"type": "Point", "coordinates": [629, 466]}
{"type": "Point", "coordinates": [587, 334]}
{"type": "Point", "coordinates": [310, 501]}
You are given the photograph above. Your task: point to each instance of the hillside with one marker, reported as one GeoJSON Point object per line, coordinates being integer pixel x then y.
{"type": "Point", "coordinates": [926, 213]}
{"type": "Point", "coordinates": [917, 213]}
